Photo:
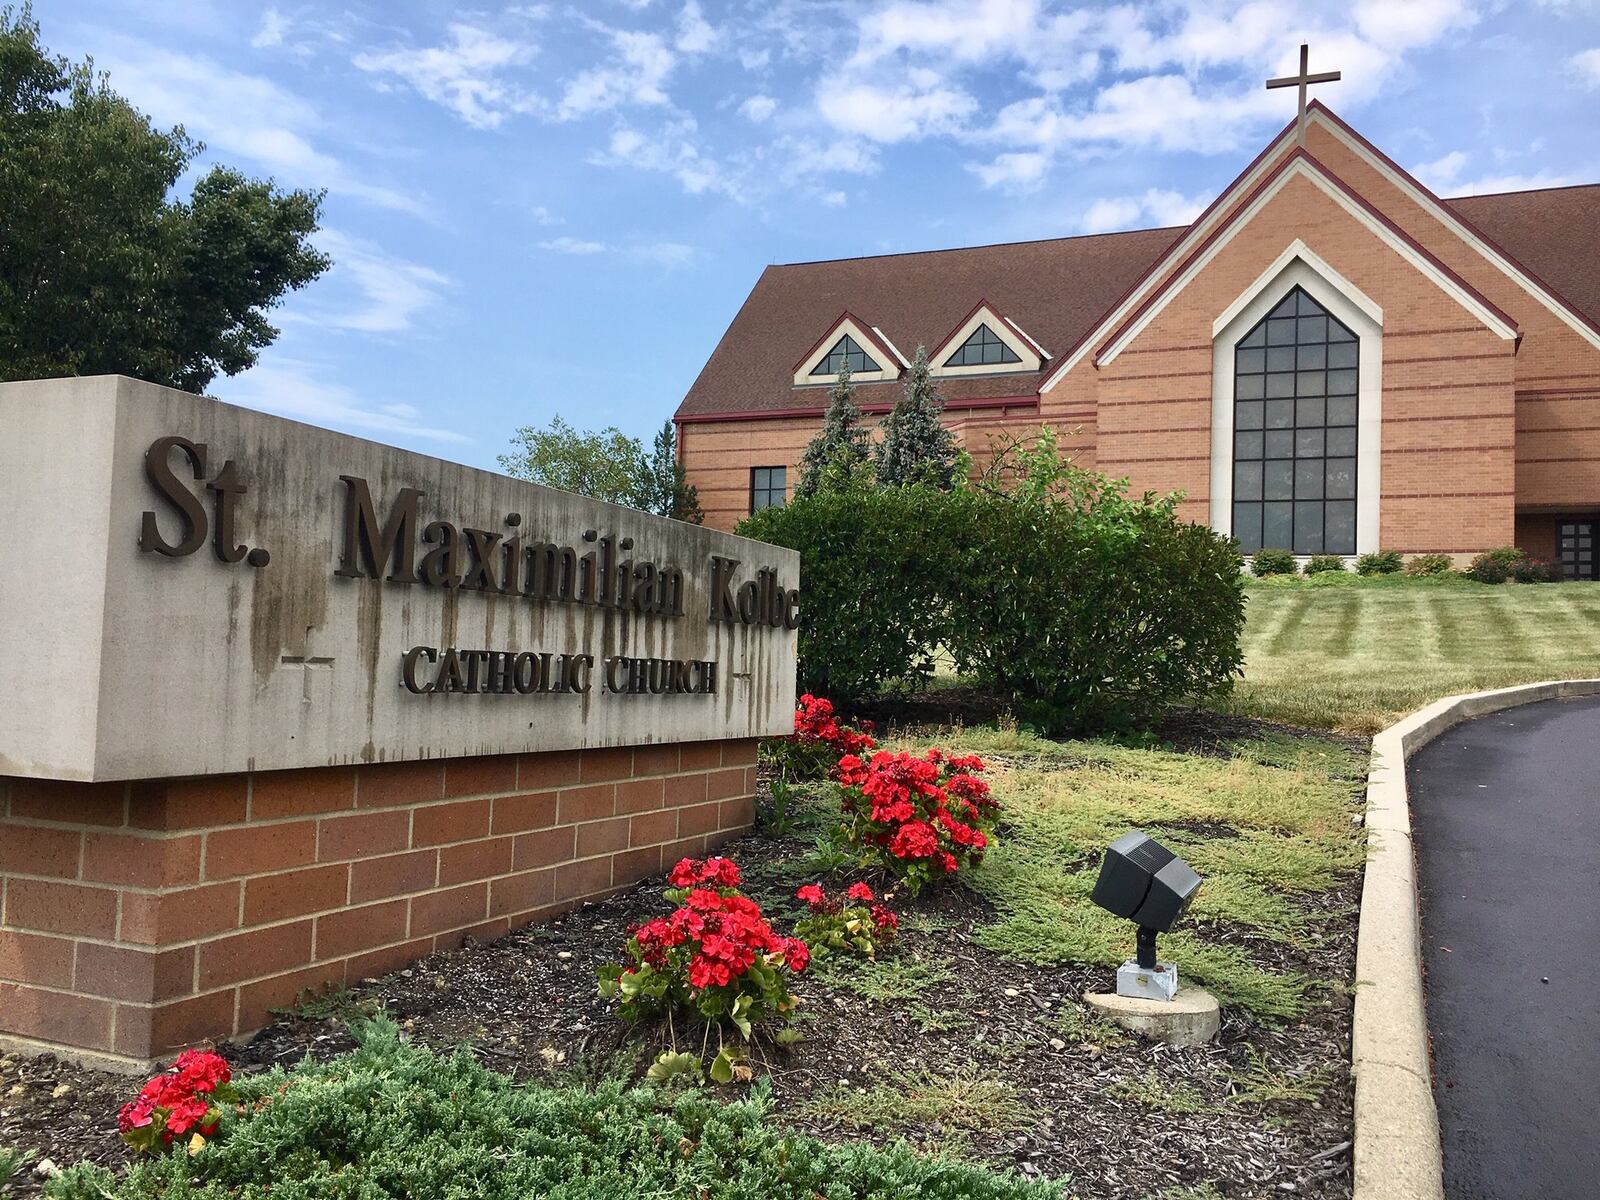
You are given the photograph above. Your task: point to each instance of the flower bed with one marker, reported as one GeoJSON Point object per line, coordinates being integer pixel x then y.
{"type": "Point", "coordinates": [941, 1039]}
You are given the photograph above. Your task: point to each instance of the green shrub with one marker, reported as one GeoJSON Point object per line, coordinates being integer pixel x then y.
{"type": "Point", "coordinates": [1273, 562]}
{"type": "Point", "coordinates": [1091, 610]}
{"type": "Point", "coordinates": [1319, 564]}
{"type": "Point", "coordinates": [1381, 562]}
{"type": "Point", "coordinates": [394, 1119]}
{"type": "Point", "coordinates": [1494, 566]}
{"type": "Point", "coordinates": [1531, 569]}
{"type": "Point", "coordinates": [872, 568]}
{"type": "Point", "coordinates": [1094, 612]}
{"type": "Point", "coordinates": [1424, 565]}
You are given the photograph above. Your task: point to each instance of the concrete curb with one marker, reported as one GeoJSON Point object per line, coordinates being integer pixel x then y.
{"type": "Point", "coordinates": [1397, 1152]}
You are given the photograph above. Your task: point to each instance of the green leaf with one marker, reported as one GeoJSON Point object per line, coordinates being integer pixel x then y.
{"type": "Point", "coordinates": [670, 1064]}
{"type": "Point", "coordinates": [722, 1066]}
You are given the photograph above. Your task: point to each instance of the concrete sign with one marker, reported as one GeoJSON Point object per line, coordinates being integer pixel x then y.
{"type": "Point", "coordinates": [193, 588]}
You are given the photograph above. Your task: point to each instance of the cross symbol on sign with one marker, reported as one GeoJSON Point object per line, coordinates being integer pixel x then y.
{"type": "Point", "coordinates": [307, 664]}
{"type": "Point", "coordinates": [1301, 81]}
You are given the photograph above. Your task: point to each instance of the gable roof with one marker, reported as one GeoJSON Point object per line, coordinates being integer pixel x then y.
{"type": "Point", "coordinates": [1299, 163]}
{"type": "Point", "coordinates": [1054, 289]}
{"type": "Point", "coordinates": [1060, 290]}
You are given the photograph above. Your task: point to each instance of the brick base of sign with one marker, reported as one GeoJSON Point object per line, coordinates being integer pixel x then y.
{"type": "Point", "coordinates": [142, 917]}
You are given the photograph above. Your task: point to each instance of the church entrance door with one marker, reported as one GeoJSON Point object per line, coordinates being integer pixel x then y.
{"type": "Point", "coordinates": [1575, 547]}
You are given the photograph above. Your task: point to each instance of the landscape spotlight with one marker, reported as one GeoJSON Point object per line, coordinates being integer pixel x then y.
{"type": "Point", "coordinates": [1142, 880]}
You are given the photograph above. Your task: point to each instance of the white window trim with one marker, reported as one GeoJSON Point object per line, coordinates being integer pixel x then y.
{"type": "Point", "coordinates": [1297, 265]}
{"type": "Point", "coordinates": [1021, 345]}
{"type": "Point", "coordinates": [867, 340]}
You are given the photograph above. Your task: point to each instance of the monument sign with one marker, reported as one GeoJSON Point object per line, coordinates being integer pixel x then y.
{"type": "Point", "coordinates": [354, 701]}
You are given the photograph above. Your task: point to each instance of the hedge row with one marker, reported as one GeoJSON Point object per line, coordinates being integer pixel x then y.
{"type": "Point", "coordinates": [1088, 609]}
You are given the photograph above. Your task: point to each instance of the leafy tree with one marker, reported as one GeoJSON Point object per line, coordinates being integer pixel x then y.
{"type": "Point", "coordinates": [103, 268]}
{"type": "Point", "coordinates": [608, 465]}
{"type": "Point", "coordinates": [840, 457]}
{"type": "Point", "coordinates": [916, 446]}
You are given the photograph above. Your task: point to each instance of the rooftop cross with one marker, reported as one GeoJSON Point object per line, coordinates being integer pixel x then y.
{"type": "Point", "coordinates": [1301, 81]}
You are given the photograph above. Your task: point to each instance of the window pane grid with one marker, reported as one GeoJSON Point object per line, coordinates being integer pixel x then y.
{"type": "Point", "coordinates": [1294, 452]}
{"type": "Point", "coordinates": [768, 487]}
{"type": "Point", "coordinates": [846, 352]}
{"type": "Point", "coordinates": [983, 348]}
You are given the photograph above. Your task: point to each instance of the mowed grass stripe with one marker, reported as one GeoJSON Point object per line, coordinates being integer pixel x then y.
{"type": "Point", "coordinates": [1356, 656]}
{"type": "Point", "coordinates": [1288, 636]}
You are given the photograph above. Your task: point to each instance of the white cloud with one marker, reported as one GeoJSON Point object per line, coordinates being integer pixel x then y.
{"type": "Point", "coordinates": [273, 26]}
{"type": "Point", "coordinates": [382, 293]}
{"type": "Point", "coordinates": [973, 32]}
{"type": "Point", "coordinates": [807, 158]}
{"type": "Point", "coordinates": [1448, 177]}
{"type": "Point", "coordinates": [543, 216]}
{"type": "Point", "coordinates": [466, 76]}
{"type": "Point", "coordinates": [662, 254]}
{"type": "Point", "coordinates": [1183, 75]}
{"type": "Point", "coordinates": [758, 108]}
{"type": "Point", "coordinates": [1018, 171]}
{"type": "Point", "coordinates": [833, 199]}
{"type": "Point", "coordinates": [665, 254]}
{"type": "Point", "coordinates": [1441, 172]}
{"type": "Point", "coordinates": [242, 116]}
{"type": "Point", "coordinates": [636, 76]}
{"type": "Point", "coordinates": [572, 245]}
{"type": "Point", "coordinates": [1587, 64]}
{"type": "Point", "coordinates": [671, 150]}
{"type": "Point", "coordinates": [1155, 208]}
{"type": "Point", "coordinates": [695, 33]}
{"type": "Point", "coordinates": [920, 106]}
{"type": "Point", "coordinates": [299, 389]}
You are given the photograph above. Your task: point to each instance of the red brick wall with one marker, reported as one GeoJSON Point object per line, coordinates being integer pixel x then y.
{"type": "Point", "coordinates": [141, 917]}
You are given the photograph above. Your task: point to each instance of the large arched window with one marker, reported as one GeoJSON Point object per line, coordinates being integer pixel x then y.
{"type": "Point", "coordinates": [1294, 431]}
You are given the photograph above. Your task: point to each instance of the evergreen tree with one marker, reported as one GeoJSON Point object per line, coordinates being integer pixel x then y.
{"type": "Point", "coordinates": [667, 482]}
{"type": "Point", "coordinates": [840, 457]}
{"type": "Point", "coordinates": [916, 446]}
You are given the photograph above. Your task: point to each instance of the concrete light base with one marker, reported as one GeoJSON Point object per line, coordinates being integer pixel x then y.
{"type": "Point", "coordinates": [1159, 982]}
{"type": "Point", "coordinates": [1191, 1018]}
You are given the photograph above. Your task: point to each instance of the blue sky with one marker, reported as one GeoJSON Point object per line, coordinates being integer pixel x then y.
{"type": "Point", "coordinates": [557, 207]}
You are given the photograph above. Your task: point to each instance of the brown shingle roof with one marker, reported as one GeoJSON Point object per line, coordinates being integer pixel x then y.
{"type": "Point", "coordinates": [1553, 232]}
{"type": "Point", "coordinates": [1056, 290]}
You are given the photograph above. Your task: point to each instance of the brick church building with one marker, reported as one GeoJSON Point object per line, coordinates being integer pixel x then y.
{"type": "Point", "coordinates": [1330, 359]}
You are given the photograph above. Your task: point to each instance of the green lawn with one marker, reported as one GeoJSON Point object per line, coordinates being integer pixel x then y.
{"type": "Point", "coordinates": [1356, 656]}
{"type": "Point", "coordinates": [1267, 823]}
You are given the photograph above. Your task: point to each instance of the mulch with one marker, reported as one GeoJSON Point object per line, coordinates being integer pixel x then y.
{"type": "Point", "coordinates": [526, 1005]}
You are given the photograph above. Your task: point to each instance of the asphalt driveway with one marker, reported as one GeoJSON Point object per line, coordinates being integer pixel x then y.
{"type": "Point", "coordinates": [1506, 817]}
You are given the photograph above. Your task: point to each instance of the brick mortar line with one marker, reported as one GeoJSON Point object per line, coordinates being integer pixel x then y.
{"type": "Point", "coordinates": [436, 888]}
{"type": "Point", "coordinates": [236, 986]}
{"type": "Point", "coordinates": [413, 806]}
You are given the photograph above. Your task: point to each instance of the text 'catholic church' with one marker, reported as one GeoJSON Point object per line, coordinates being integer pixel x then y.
{"type": "Point", "coordinates": [1330, 359]}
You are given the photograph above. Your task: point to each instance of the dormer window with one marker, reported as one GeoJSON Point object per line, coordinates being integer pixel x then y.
{"type": "Point", "coordinates": [846, 352]}
{"type": "Point", "coordinates": [849, 344]}
{"type": "Point", "coordinates": [986, 342]}
{"type": "Point", "coordinates": [983, 348]}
